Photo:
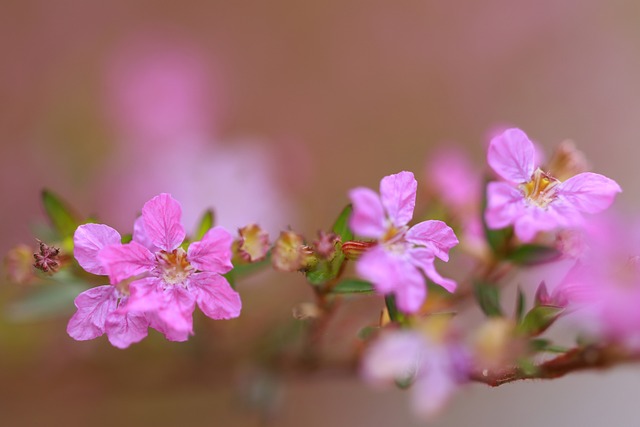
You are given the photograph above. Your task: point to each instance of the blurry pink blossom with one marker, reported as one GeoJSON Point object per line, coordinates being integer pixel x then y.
{"type": "Point", "coordinates": [533, 200]}
{"type": "Point", "coordinates": [396, 263]}
{"type": "Point", "coordinates": [163, 97]}
{"type": "Point", "coordinates": [603, 288]}
{"type": "Point", "coordinates": [436, 369]}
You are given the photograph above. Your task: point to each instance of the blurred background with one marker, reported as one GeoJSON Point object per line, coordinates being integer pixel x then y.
{"type": "Point", "coordinates": [271, 112]}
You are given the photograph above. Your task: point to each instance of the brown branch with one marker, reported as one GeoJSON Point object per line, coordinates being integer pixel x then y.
{"type": "Point", "coordinates": [577, 359]}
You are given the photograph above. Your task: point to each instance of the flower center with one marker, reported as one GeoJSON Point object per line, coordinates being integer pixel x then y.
{"type": "Point", "coordinates": [174, 268]}
{"type": "Point", "coordinates": [541, 190]}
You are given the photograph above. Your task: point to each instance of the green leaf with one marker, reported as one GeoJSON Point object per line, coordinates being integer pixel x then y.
{"type": "Point", "coordinates": [520, 305]}
{"type": "Point", "coordinates": [324, 270]}
{"type": "Point", "coordinates": [390, 302]}
{"type": "Point", "coordinates": [527, 367]}
{"type": "Point", "coordinates": [63, 219]}
{"type": "Point", "coordinates": [488, 297]}
{"type": "Point", "coordinates": [531, 254]}
{"type": "Point", "coordinates": [205, 224]}
{"type": "Point", "coordinates": [46, 301]}
{"type": "Point", "coordinates": [352, 286]}
{"type": "Point", "coordinates": [126, 238]}
{"type": "Point", "coordinates": [341, 225]}
{"type": "Point", "coordinates": [367, 331]}
{"type": "Point", "coordinates": [538, 319]}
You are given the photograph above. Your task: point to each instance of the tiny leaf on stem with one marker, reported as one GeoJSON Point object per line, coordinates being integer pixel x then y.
{"type": "Point", "coordinates": [488, 297]}
{"type": "Point", "coordinates": [62, 217]}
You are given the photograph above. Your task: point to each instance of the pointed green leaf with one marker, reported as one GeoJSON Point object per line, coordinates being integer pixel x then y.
{"type": "Point", "coordinates": [539, 319]}
{"type": "Point", "coordinates": [488, 297]}
{"type": "Point", "coordinates": [63, 219]}
{"type": "Point", "coordinates": [353, 286]}
{"type": "Point", "coordinates": [390, 302]}
{"type": "Point", "coordinates": [531, 254]}
{"type": "Point", "coordinates": [341, 226]}
{"type": "Point", "coordinates": [520, 305]}
{"type": "Point", "coordinates": [205, 224]}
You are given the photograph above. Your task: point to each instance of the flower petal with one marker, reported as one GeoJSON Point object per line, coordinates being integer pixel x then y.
{"type": "Point", "coordinates": [165, 329]}
{"type": "Point", "coordinates": [124, 329]}
{"type": "Point", "coordinates": [145, 295]}
{"type": "Point", "coordinates": [88, 240]}
{"type": "Point", "coordinates": [435, 236]}
{"type": "Point", "coordinates": [162, 216]}
{"type": "Point", "coordinates": [125, 261]}
{"type": "Point", "coordinates": [512, 155]}
{"type": "Point", "coordinates": [398, 195]}
{"type": "Point", "coordinates": [411, 292]}
{"type": "Point", "coordinates": [424, 259]}
{"type": "Point", "coordinates": [394, 356]}
{"type": "Point", "coordinates": [433, 391]}
{"type": "Point", "coordinates": [367, 219]}
{"type": "Point", "coordinates": [177, 310]}
{"type": "Point", "coordinates": [140, 235]}
{"type": "Point", "coordinates": [213, 252]}
{"type": "Point", "coordinates": [505, 204]}
{"type": "Point", "coordinates": [589, 192]}
{"type": "Point", "coordinates": [380, 268]}
{"type": "Point", "coordinates": [94, 305]}
{"type": "Point", "coordinates": [215, 297]}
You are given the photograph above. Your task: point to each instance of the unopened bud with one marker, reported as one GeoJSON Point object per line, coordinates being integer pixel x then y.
{"type": "Point", "coordinates": [568, 161]}
{"type": "Point", "coordinates": [18, 264]}
{"type": "Point", "coordinates": [325, 246]}
{"type": "Point", "coordinates": [290, 253]}
{"type": "Point", "coordinates": [306, 310]}
{"type": "Point", "coordinates": [253, 244]}
{"type": "Point", "coordinates": [496, 343]}
{"type": "Point", "coordinates": [353, 249]}
{"type": "Point", "coordinates": [48, 259]}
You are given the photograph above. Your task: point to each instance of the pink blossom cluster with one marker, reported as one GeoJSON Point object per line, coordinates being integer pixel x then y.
{"type": "Point", "coordinates": [154, 280]}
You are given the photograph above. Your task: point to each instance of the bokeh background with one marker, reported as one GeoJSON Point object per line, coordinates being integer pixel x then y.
{"type": "Point", "coordinates": [270, 112]}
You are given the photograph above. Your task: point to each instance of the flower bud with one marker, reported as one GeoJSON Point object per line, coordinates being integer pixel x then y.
{"type": "Point", "coordinates": [290, 253]}
{"type": "Point", "coordinates": [568, 161]}
{"type": "Point", "coordinates": [325, 246]}
{"type": "Point", "coordinates": [253, 244]}
{"type": "Point", "coordinates": [48, 259]}
{"type": "Point", "coordinates": [18, 264]}
{"type": "Point", "coordinates": [354, 249]}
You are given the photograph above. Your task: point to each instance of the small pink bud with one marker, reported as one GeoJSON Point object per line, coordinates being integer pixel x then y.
{"type": "Point", "coordinates": [254, 243]}
{"type": "Point", "coordinates": [48, 259]}
{"type": "Point", "coordinates": [353, 249]}
{"type": "Point", "coordinates": [325, 246]}
{"type": "Point", "coordinates": [290, 253]}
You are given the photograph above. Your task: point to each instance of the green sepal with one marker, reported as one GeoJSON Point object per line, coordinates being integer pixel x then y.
{"type": "Point", "coordinates": [206, 223]}
{"type": "Point", "coordinates": [126, 238]}
{"type": "Point", "coordinates": [520, 305]}
{"type": "Point", "coordinates": [62, 217]}
{"type": "Point", "coordinates": [531, 254]}
{"type": "Point", "coordinates": [539, 319]}
{"type": "Point", "coordinates": [488, 297]}
{"type": "Point", "coordinates": [353, 286]}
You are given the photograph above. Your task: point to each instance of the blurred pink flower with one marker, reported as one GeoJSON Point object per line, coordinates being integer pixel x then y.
{"type": "Point", "coordinates": [163, 98]}
{"type": "Point", "coordinates": [394, 265]}
{"type": "Point", "coordinates": [436, 369]}
{"type": "Point", "coordinates": [533, 200]}
{"type": "Point", "coordinates": [603, 288]}
{"type": "Point", "coordinates": [100, 309]}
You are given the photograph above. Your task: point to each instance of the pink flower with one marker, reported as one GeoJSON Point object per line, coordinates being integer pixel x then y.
{"type": "Point", "coordinates": [165, 281]}
{"type": "Point", "coordinates": [396, 263]}
{"type": "Point", "coordinates": [100, 309]}
{"type": "Point", "coordinates": [532, 200]}
{"type": "Point", "coordinates": [603, 288]}
{"type": "Point", "coordinates": [436, 369]}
